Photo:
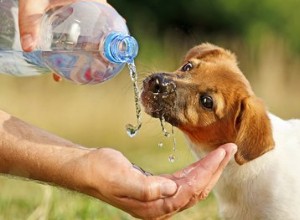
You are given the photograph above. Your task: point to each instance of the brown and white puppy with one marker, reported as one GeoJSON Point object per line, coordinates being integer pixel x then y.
{"type": "Point", "coordinates": [212, 103]}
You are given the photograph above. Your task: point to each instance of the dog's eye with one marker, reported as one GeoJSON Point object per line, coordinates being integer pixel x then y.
{"type": "Point", "coordinates": [187, 67]}
{"type": "Point", "coordinates": [206, 101]}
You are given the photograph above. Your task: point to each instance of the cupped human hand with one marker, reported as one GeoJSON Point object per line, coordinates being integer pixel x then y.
{"type": "Point", "coordinates": [112, 178]}
{"type": "Point", "coordinates": [30, 14]}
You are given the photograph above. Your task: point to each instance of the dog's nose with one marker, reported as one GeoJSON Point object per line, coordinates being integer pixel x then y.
{"type": "Point", "coordinates": [159, 83]}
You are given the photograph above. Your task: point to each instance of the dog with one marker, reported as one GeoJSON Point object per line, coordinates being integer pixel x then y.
{"type": "Point", "coordinates": [210, 100]}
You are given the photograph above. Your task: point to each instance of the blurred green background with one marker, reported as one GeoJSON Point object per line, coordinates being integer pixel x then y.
{"type": "Point", "coordinates": [265, 37]}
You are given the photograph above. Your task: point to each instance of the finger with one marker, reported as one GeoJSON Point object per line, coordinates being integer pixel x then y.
{"type": "Point", "coordinates": [207, 165]}
{"type": "Point", "coordinates": [56, 77]}
{"type": "Point", "coordinates": [60, 2]}
{"type": "Point", "coordinates": [144, 210]}
{"type": "Point", "coordinates": [30, 13]}
{"type": "Point", "coordinates": [149, 188]}
{"type": "Point", "coordinates": [211, 161]}
{"type": "Point", "coordinates": [204, 174]}
{"type": "Point", "coordinates": [230, 151]}
{"type": "Point", "coordinates": [194, 179]}
{"type": "Point", "coordinates": [156, 209]}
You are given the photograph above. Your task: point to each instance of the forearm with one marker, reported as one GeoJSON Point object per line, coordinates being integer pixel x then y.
{"type": "Point", "coordinates": [30, 152]}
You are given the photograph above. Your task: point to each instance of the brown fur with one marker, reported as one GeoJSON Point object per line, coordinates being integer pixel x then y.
{"type": "Point", "coordinates": [238, 115]}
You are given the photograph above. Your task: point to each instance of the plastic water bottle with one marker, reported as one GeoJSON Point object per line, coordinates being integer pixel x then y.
{"type": "Point", "coordinates": [86, 42]}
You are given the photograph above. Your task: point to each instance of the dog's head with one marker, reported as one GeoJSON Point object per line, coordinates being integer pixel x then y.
{"type": "Point", "coordinates": [211, 101]}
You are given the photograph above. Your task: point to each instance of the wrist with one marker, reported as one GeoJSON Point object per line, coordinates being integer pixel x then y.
{"type": "Point", "coordinates": [90, 172]}
{"type": "Point", "coordinates": [101, 171]}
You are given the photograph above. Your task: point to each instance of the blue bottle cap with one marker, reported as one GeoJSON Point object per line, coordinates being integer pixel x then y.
{"type": "Point", "coordinates": [120, 48]}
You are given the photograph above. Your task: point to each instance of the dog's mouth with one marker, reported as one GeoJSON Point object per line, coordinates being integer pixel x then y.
{"type": "Point", "coordinates": [159, 97]}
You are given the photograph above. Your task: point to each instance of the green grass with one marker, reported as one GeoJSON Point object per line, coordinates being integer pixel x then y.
{"type": "Point", "coordinates": [95, 116]}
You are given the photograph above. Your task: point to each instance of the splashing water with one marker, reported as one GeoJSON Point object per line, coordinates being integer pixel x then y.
{"type": "Point", "coordinates": [174, 139]}
{"type": "Point", "coordinates": [133, 129]}
{"type": "Point", "coordinates": [163, 127]}
{"type": "Point", "coordinates": [172, 156]}
{"type": "Point", "coordinates": [167, 135]}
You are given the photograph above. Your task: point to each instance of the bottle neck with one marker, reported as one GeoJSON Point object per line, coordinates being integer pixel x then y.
{"type": "Point", "coordinates": [120, 48]}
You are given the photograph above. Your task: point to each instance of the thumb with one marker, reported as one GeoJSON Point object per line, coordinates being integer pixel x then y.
{"type": "Point", "coordinates": [149, 188]}
{"type": "Point", "coordinates": [208, 169]}
{"type": "Point", "coordinates": [30, 14]}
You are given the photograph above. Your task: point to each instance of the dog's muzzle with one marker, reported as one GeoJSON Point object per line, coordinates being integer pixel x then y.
{"type": "Point", "coordinates": [159, 96]}
{"type": "Point", "coordinates": [159, 84]}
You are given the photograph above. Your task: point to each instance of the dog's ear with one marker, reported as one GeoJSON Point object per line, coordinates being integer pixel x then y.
{"type": "Point", "coordinates": [254, 132]}
{"type": "Point", "coordinates": [207, 51]}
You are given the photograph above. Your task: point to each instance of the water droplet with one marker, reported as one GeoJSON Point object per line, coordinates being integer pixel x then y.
{"type": "Point", "coordinates": [160, 144]}
{"type": "Point", "coordinates": [172, 158]}
{"type": "Point", "coordinates": [131, 129]}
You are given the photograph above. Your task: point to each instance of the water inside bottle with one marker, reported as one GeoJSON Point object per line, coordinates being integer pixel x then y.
{"type": "Point", "coordinates": [133, 129]}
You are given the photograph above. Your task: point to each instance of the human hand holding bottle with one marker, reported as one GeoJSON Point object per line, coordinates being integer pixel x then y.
{"type": "Point", "coordinates": [86, 42]}
{"type": "Point", "coordinates": [30, 14]}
